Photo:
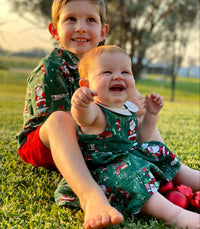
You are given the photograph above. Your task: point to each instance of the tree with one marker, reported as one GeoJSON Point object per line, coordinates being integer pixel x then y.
{"type": "Point", "coordinates": [40, 9]}
{"type": "Point", "coordinates": [144, 28]}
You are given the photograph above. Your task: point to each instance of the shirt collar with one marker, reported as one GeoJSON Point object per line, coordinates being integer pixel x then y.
{"type": "Point", "coordinates": [72, 60]}
{"type": "Point", "coordinates": [128, 109]}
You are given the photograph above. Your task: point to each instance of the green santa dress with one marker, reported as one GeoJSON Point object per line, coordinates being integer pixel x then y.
{"type": "Point", "coordinates": [128, 172]}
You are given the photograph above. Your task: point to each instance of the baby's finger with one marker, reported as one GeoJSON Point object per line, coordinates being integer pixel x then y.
{"type": "Point", "coordinates": [87, 95]}
{"type": "Point", "coordinates": [147, 100]}
{"type": "Point", "coordinates": [80, 100]}
{"type": "Point", "coordinates": [94, 93]}
{"type": "Point", "coordinates": [156, 98]}
{"type": "Point", "coordinates": [160, 99]}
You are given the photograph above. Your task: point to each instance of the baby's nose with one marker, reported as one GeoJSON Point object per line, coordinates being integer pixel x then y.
{"type": "Point", "coordinates": [118, 76]}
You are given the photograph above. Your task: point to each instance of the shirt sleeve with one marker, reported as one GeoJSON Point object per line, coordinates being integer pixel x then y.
{"type": "Point", "coordinates": [50, 88]}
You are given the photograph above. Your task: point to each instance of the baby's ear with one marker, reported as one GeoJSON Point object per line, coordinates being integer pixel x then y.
{"type": "Point", "coordinates": [53, 31]}
{"type": "Point", "coordinates": [84, 83]}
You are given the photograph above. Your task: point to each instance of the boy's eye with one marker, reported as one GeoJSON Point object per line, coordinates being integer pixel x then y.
{"type": "Point", "coordinates": [70, 19]}
{"type": "Point", "coordinates": [91, 19]}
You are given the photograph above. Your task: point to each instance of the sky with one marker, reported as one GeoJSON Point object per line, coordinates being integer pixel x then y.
{"type": "Point", "coordinates": [16, 34]}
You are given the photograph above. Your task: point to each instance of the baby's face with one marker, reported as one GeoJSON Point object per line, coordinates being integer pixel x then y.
{"type": "Point", "coordinates": [111, 76]}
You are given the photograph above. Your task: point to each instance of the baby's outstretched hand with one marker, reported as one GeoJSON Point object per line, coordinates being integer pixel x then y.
{"type": "Point", "coordinates": [154, 103]}
{"type": "Point", "coordinates": [82, 97]}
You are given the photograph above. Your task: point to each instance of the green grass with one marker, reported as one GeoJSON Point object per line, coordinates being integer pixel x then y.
{"type": "Point", "coordinates": [8, 62]}
{"type": "Point", "coordinates": [27, 193]}
{"type": "Point", "coordinates": [186, 89]}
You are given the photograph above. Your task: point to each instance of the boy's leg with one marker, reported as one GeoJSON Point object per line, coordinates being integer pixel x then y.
{"type": "Point", "coordinates": [189, 177]}
{"type": "Point", "coordinates": [58, 133]}
{"type": "Point", "coordinates": [160, 208]}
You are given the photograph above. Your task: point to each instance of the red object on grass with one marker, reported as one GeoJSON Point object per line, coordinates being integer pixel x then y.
{"type": "Point", "coordinates": [187, 191]}
{"type": "Point", "coordinates": [178, 198]}
{"type": "Point", "coordinates": [194, 198]}
{"type": "Point", "coordinates": [166, 187]}
{"type": "Point", "coordinates": [195, 201]}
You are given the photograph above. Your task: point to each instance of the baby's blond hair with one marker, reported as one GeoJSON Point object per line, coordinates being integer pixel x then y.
{"type": "Point", "coordinates": [89, 57]}
{"type": "Point", "coordinates": [59, 4]}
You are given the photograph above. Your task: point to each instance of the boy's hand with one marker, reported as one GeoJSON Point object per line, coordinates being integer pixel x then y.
{"type": "Point", "coordinates": [82, 97]}
{"type": "Point", "coordinates": [154, 103]}
{"type": "Point", "coordinates": [139, 101]}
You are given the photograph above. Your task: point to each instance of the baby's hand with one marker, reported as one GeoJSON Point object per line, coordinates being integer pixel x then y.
{"type": "Point", "coordinates": [82, 97]}
{"type": "Point", "coordinates": [139, 101]}
{"type": "Point", "coordinates": [154, 103]}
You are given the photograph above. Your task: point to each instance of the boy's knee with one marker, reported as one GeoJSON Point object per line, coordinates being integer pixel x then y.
{"type": "Point", "coordinates": [59, 115]}
{"type": "Point", "coordinates": [57, 121]}
{"type": "Point", "coordinates": [59, 118]}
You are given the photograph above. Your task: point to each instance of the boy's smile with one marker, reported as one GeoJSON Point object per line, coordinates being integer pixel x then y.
{"type": "Point", "coordinates": [81, 40]}
{"type": "Point", "coordinates": [79, 28]}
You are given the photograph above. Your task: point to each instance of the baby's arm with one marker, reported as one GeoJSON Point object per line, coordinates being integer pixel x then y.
{"type": "Point", "coordinates": [85, 112]}
{"type": "Point", "coordinates": [147, 127]}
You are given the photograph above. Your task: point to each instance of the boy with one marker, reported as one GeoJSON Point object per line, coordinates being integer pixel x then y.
{"type": "Point", "coordinates": [49, 135]}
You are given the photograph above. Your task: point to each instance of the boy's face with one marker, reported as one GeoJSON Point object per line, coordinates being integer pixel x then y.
{"type": "Point", "coordinates": [79, 28]}
{"type": "Point", "coordinates": [111, 76]}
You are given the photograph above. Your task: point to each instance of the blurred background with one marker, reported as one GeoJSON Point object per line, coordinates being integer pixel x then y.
{"type": "Point", "coordinates": [162, 36]}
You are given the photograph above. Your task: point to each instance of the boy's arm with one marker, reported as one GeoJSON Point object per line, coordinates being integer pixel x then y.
{"type": "Point", "coordinates": [86, 113]}
{"type": "Point", "coordinates": [147, 127]}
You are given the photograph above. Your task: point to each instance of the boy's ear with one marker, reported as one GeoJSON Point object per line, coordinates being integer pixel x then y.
{"type": "Point", "coordinates": [53, 31]}
{"type": "Point", "coordinates": [104, 32]}
{"type": "Point", "coordinates": [84, 83]}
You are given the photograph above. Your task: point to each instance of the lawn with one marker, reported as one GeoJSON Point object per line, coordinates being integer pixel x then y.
{"type": "Point", "coordinates": [27, 193]}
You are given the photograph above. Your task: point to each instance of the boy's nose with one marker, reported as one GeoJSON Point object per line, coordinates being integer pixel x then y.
{"type": "Point", "coordinates": [80, 27]}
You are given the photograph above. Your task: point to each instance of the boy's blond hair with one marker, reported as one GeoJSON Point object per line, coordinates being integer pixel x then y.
{"type": "Point", "coordinates": [59, 4]}
{"type": "Point", "coordinates": [89, 57]}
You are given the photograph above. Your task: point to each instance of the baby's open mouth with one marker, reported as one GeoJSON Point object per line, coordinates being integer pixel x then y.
{"type": "Point", "coordinates": [117, 88]}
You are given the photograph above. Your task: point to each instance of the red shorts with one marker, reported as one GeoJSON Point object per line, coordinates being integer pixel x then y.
{"type": "Point", "coordinates": [34, 152]}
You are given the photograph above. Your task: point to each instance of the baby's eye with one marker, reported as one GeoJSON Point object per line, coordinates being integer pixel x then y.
{"type": "Point", "coordinates": [107, 72]}
{"type": "Point", "coordinates": [125, 72]}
